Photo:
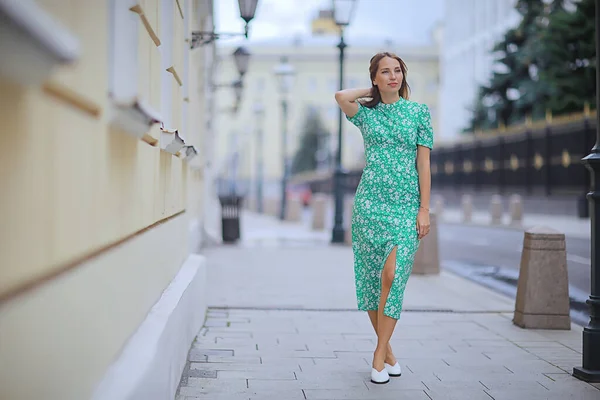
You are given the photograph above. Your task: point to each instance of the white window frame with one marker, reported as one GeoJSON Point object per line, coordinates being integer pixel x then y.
{"type": "Point", "coordinates": [129, 112]}
{"type": "Point", "coordinates": [33, 43]}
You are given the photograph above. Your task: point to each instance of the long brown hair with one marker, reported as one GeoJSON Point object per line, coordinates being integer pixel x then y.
{"type": "Point", "coordinates": [404, 90]}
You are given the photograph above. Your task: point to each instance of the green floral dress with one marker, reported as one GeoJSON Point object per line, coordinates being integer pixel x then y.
{"type": "Point", "coordinates": [387, 199]}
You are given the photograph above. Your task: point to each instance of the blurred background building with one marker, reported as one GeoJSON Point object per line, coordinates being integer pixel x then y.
{"type": "Point", "coordinates": [471, 30]}
{"type": "Point", "coordinates": [316, 79]}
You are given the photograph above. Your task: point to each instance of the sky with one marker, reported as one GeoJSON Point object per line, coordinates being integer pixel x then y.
{"type": "Point", "coordinates": [404, 21]}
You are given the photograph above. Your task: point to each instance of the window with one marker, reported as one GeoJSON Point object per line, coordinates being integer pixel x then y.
{"type": "Point", "coordinates": [166, 51]}
{"type": "Point", "coordinates": [123, 71]}
{"type": "Point", "coordinates": [132, 112]}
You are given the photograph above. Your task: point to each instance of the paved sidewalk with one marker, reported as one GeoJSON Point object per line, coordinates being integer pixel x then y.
{"type": "Point", "coordinates": [282, 324]}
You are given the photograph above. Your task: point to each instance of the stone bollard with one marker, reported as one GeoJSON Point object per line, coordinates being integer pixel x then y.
{"type": "Point", "coordinates": [427, 259]}
{"type": "Point", "coordinates": [543, 289]}
{"type": "Point", "coordinates": [516, 210]}
{"type": "Point", "coordinates": [348, 204]}
{"type": "Point", "coordinates": [293, 213]}
{"type": "Point", "coordinates": [496, 209]}
{"type": "Point", "coordinates": [438, 207]}
{"type": "Point", "coordinates": [319, 211]}
{"type": "Point", "coordinates": [467, 206]}
{"type": "Point", "coordinates": [271, 206]}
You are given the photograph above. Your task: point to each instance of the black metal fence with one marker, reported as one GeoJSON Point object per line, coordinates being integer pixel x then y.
{"type": "Point", "coordinates": [536, 159]}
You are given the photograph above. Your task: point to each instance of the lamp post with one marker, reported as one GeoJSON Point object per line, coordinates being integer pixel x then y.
{"type": "Point", "coordinates": [285, 75]}
{"type": "Point", "coordinates": [241, 56]}
{"type": "Point", "coordinates": [590, 370]}
{"type": "Point", "coordinates": [247, 11]}
{"type": "Point", "coordinates": [259, 114]}
{"type": "Point", "coordinates": [342, 12]}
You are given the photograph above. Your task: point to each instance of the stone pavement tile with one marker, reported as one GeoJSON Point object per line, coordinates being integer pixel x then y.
{"type": "Point", "coordinates": [212, 334]}
{"type": "Point", "coordinates": [457, 375]}
{"type": "Point", "coordinates": [423, 366]}
{"type": "Point", "coordinates": [509, 355]}
{"type": "Point", "coordinates": [533, 383]}
{"type": "Point", "coordinates": [489, 343]}
{"type": "Point", "coordinates": [546, 344]}
{"type": "Point", "coordinates": [532, 394]}
{"type": "Point", "coordinates": [575, 345]}
{"type": "Point", "coordinates": [203, 386]}
{"type": "Point", "coordinates": [568, 381]}
{"type": "Point", "coordinates": [244, 360]}
{"type": "Point", "coordinates": [336, 394]}
{"type": "Point", "coordinates": [249, 394]}
{"type": "Point", "coordinates": [259, 368]}
{"type": "Point", "coordinates": [295, 364]}
{"type": "Point", "coordinates": [202, 354]}
{"type": "Point", "coordinates": [312, 382]}
{"type": "Point", "coordinates": [340, 363]}
{"type": "Point", "coordinates": [265, 373]}
{"type": "Point", "coordinates": [459, 394]}
{"type": "Point", "coordinates": [522, 366]}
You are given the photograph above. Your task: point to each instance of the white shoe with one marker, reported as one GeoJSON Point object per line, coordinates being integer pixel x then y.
{"type": "Point", "coordinates": [379, 376]}
{"type": "Point", "coordinates": [393, 370]}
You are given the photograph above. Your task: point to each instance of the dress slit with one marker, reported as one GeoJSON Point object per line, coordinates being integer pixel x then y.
{"type": "Point", "coordinates": [389, 249]}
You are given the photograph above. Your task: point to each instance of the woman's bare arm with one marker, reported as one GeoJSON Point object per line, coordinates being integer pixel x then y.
{"type": "Point", "coordinates": [347, 99]}
{"type": "Point", "coordinates": [424, 170]}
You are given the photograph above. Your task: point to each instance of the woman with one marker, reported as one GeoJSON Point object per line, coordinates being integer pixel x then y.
{"type": "Point", "coordinates": [391, 205]}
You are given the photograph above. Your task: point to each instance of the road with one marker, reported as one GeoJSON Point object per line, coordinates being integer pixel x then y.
{"type": "Point", "coordinates": [502, 248]}
{"type": "Point", "coordinates": [492, 257]}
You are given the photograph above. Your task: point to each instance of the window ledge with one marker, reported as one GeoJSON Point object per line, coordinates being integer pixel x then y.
{"type": "Point", "coordinates": [173, 142]}
{"type": "Point", "coordinates": [172, 70]}
{"type": "Point", "coordinates": [140, 11]}
{"type": "Point", "coordinates": [32, 44]}
{"type": "Point", "coordinates": [189, 152]}
{"type": "Point", "coordinates": [134, 117]}
{"type": "Point", "coordinates": [72, 98]}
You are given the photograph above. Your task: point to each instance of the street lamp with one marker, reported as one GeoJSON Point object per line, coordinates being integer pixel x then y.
{"type": "Point", "coordinates": [284, 72]}
{"type": "Point", "coordinates": [238, 89]}
{"type": "Point", "coordinates": [247, 11]}
{"type": "Point", "coordinates": [343, 11]}
{"type": "Point", "coordinates": [590, 370]}
{"type": "Point", "coordinates": [241, 57]}
{"type": "Point", "coordinates": [259, 113]}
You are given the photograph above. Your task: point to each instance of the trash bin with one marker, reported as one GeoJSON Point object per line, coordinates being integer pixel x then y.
{"type": "Point", "coordinates": [230, 217]}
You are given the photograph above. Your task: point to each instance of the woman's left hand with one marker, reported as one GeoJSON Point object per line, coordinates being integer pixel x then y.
{"type": "Point", "coordinates": [423, 223]}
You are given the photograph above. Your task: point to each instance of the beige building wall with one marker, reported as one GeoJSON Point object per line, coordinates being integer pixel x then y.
{"type": "Point", "coordinates": [317, 79]}
{"type": "Point", "coordinates": [95, 222]}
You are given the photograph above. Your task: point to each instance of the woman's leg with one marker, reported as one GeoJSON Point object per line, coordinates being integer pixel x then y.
{"type": "Point", "coordinates": [385, 324]}
{"type": "Point", "coordinates": [389, 358]}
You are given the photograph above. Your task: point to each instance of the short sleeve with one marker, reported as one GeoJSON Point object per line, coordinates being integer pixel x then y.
{"type": "Point", "coordinates": [360, 117]}
{"type": "Point", "coordinates": [425, 131]}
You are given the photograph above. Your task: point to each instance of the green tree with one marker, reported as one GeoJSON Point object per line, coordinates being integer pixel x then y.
{"type": "Point", "coordinates": [534, 91]}
{"type": "Point", "coordinates": [568, 46]}
{"type": "Point", "coordinates": [515, 89]}
{"type": "Point", "coordinates": [312, 138]}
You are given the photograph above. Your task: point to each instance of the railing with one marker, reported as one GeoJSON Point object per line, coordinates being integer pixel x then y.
{"type": "Point", "coordinates": [541, 158]}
